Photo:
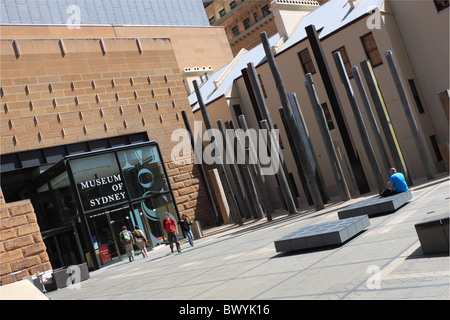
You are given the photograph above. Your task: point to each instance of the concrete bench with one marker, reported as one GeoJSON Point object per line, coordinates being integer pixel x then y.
{"type": "Point", "coordinates": [433, 234]}
{"type": "Point", "coordinates": [324, 234]}
{"type": "Point", "coordinates": [376, 205]}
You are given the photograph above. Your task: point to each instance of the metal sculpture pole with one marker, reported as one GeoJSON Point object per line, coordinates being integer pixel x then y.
{"type": "Point", "coordinates": [240, 195]}
{"type": "Point", "coordinates": [249, 185]}
{"type": "Point", "coordinates": [331, 151]}
{"type": "Point", "coordinates": [221, 169]}
{"type": "Point", "coordinates": [286, 192]}
{"type": "Point", "coordinates": [385, 121]}
{"type": "Point", "coordinates": [309, 147]}
{"type": "Point", "coordinates": [336, 106]}
{"type": "Point", "coordinates": [200, 168]}
{"type": "Point", "coordinates": [298, 146]}
{"type": "Point", "coordinates": [304, 160]}
{"type": "Point", "coordinates": [260, 178]}
{"type": "Point", "coordinates": [409, 116]}
{"type": "Point", "coordinates": [372, 123]}
{"type": "Point", "coordinates": [296, 159]}
{"type": "Point", "coordinates": [359, 121]}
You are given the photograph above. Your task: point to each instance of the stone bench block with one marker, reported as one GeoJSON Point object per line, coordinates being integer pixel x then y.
{"type": "Point", "coordinates": [325, 234]}
{"type": "Point", "coordinates": [433, 235]}
{"type": "Point", "coordinates": [376, 205]}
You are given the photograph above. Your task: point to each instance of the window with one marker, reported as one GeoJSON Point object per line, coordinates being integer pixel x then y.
{"type": "Point", "coordinates": [222, 12]}
{"type": "Point", "coordinates": [212, 20]}
{"type": "Point", "coordinates": [441, 4]}
{"type": "Point", "coordinates": [371, 49]}
{"type": "Point", "coordinates": [416, 96]}
{"type": "Point", "coordinates": [235, 31]}
{"type": "Point", "coordinates": [255, 15]}
{"type": "Point", "coordinates": [247, 23]}
{"type": "Point", "coordinates": [346, 61]}
{"type": "Point", "coordinates": [306, 61]}
{"type": "Point", "coordinates": [327, 114]}
{"type": "Point", "coordinates": [265, 10]}
{"type": "Point", "coordinates": [233, 5]}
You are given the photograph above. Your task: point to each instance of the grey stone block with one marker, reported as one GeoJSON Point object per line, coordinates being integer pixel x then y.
{"type": "Point", "coordinates": [324, 234]}
{"type": "Point", "coordinates": [433, 235]}
{"type": "Point", "coordinates": [282, 246]}
{"type": "Point", "coordinates": [376, 205]}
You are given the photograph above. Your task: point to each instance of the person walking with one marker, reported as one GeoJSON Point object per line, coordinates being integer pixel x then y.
{"type": "Point", "coordinates": [186, 227]}
{"type": "Point", "coordinates": [127, 240]}
{"type": "Point", "coordinates": [141, 241]}
{"type": "Point", "coordinates": [171, 231]}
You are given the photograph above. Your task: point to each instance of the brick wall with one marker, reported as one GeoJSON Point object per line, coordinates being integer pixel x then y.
{"type": "Point", "coordinates": [21, 245]}
{"type": "Point", "coordinates": [57, 92]}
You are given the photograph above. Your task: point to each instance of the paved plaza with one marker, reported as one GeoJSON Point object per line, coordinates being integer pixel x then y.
{"type": "Point", "coordinates": [240, 262]}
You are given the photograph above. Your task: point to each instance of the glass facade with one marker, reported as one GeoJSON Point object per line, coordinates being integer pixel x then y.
{"type": "Point", "coordinates": [83, 201]}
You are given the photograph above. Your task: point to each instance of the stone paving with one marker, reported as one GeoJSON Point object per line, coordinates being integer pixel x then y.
{"type": "Point", "coordinates": [240, 263]}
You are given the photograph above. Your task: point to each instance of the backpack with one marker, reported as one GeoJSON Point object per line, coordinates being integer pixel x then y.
{"type": "Point", "coordinates": [386, 193]}
{"type": "Point", "coordinates": [126, 236]}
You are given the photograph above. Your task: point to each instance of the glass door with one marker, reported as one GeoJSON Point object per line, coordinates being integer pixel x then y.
{"type": "Point", "coordinates": [105, 229]}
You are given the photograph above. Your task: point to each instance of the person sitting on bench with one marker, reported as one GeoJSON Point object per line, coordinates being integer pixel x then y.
{"type": "Point", "coordinates": [396, 184]}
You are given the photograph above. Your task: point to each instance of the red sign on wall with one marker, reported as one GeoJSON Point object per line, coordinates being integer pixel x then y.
{"type": "Point", "coordinates": [104, 253]}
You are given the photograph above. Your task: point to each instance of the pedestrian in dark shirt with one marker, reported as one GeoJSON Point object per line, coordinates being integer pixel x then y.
{"type": "Point", "coordinates": [186, 227]}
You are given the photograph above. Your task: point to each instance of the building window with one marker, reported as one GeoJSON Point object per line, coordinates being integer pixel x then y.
{"type": "Point", "coordinates": [306, 61]}
{"type": "Point", "coordinates": [327, 114]}
{"type": "Point", "coordinates": [265, 10]}
{"type": "Point", "coordinates": [371, 49]}
{"type": "Point", "coordinates": [255, 15]}
{"type": "Point", "coordinates": [346, 61]}
{"type": "Point", "coordinates": [416, 96]}
{"type": "Point", "coordinates": [212, 20]}
{"type": "Point", "coordinates": [235, 31]}
{"type": "Point", "coordinates": [247, 23]}
{"type": "Point", "coordinates": [222, 12]}
{"type": "Point", "coordinates": [441, 4]}
{"type": "Point", "coordinates": [232, 4]}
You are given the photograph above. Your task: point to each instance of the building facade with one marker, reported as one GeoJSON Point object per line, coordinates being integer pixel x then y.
{"type": "Point", "coordinates": [243, 20]}
{"type": "Point", "coordinates": [88, 109]}
{"type": "Point", "coordinates": [360, 31]}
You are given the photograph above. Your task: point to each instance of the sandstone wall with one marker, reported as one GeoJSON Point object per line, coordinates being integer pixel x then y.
{"type": "Point", "coordinates": [21, 246]}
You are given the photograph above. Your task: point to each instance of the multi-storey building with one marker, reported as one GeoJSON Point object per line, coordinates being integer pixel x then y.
{"type": "Point", "coordinates": [243, 20]}
{"type": "Point", "coordinates": [91, 92]}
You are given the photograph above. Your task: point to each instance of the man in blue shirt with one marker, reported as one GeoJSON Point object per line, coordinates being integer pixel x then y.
{"type": "Point", "coordinates": [396, 184]}
{"type": "Point", "coordinates": [397, 181]}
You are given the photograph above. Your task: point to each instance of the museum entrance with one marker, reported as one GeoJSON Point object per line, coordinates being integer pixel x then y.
{"type": "Point", "coordinates": [84, 200]}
